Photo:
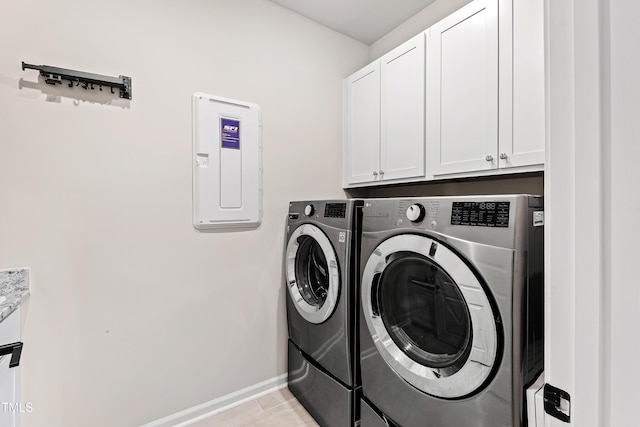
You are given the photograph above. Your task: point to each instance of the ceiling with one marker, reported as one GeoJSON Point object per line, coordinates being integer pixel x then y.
{"type": "Point", "coordinates": [363, 20]}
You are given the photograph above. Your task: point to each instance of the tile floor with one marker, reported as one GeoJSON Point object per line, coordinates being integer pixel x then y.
{"type": "Point", "coordinates": [278, 408]}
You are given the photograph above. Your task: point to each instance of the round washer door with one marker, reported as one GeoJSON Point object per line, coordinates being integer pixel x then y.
{"type": "Point", "coordinates": [429, 316]}
{"type": "Point", "coordinates": [313, 277]}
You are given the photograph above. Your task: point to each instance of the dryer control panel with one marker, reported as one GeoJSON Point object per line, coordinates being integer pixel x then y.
{"type": "Point", "coordinates": [480, 214]}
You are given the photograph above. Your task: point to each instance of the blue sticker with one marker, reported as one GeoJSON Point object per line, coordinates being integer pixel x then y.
{"type": "Point", "coordinates": [230, 133]}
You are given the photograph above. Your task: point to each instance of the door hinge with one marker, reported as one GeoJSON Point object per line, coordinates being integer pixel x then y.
{"type": "Point", "coordinates": [557, 403]}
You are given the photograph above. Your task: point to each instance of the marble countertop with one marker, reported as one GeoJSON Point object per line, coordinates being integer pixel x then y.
{"type": "Point", "coordinates": [14, 288]}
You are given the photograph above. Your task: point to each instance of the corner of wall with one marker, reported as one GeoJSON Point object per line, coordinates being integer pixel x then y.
{"type": "Point", "coordinates": [414, 25]}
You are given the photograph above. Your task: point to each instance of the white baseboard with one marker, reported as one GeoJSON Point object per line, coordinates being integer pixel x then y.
{"type": "Point", "coordinates": [207, 409]}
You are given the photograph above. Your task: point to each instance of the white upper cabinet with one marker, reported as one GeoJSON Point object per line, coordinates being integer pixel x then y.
{"type": "Point", "coordinates": [462, 90]}
{"type": "Point", "coordinates": [402, 111]}
{"type": "Point", "coordinates": [522, 85]}
{"type": "Point", "coordinates": [384, 117]}
{"type": "Point", "coordinates": [362, 125]}
{"type": "Point", "coordinates": [485, 89]}
{"type": "Point", "coordinates": [465, 98]}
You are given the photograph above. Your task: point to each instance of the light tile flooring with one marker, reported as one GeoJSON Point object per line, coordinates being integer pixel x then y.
{"type": "Point", "coordinates": [278, 408]}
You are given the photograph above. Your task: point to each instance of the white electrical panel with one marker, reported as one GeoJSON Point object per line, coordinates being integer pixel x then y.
{"type": "Point", "coordinates": [227, 163]}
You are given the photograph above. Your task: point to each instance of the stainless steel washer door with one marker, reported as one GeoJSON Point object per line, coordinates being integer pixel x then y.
{"type": "Point", "coordinates": [312, 271]}
{"type": "Point", "coordinates": [429, 316]}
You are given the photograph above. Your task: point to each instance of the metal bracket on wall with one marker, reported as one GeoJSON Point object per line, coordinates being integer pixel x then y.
{"type": "Point", "coordinates": [557, 403]}
{"type": "Point", "coordinates": [55, 75]}
{"type": "Point", "coordinates": [15, 350]}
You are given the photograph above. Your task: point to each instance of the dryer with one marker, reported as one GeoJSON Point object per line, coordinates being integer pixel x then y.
{"type": "Point", "coordinates": [451, 329]}
{"type": "Point", "coordinates": [321, 262]}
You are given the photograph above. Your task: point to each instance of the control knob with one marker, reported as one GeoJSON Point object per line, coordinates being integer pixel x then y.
{"type": "Point", "coordinates": [309, 210]}
{"type": "Point", "coordinates": [415, 213]}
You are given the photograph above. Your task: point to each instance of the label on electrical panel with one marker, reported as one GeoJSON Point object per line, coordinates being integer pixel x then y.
{"type": "Point", "coordinates": [230, 133]}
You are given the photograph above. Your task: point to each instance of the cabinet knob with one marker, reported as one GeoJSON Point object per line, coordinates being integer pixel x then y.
{"type": "Point", "coordinates": [489, 158]}
{"type": "Point", "coordinates": [381, 174]}
{"type": "Point", "coordinates": [375, 173]}
{"type": "Point", "coordinates": [504, 156]}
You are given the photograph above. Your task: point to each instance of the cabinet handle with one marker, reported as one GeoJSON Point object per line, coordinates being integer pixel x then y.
{"type": "Point", "coordinates": [504, 156]}
{"type": "Point", "coordinates": [489, 158]}
{"type": "Point", "coordinates": [15, 350]}
{"type": "Point", "coordinates": [375, 173]}
{"type": "Point", "coordinates": [381, 174]}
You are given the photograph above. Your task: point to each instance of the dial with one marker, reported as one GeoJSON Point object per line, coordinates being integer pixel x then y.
{"type": "Point", "coordinates": [309, 210]}
{"type": "Point", "coordinates": [415, 213]}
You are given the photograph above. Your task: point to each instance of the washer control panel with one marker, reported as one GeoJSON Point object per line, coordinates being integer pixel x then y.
{"type": "Point", "coordinates": [309, 210]}
{"type": "Point", "coordinates": [415, 212]}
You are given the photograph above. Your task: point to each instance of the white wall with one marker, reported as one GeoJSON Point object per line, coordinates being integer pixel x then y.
{"type": "Point", "coordinates": [592, 208]}
{"type": "Point", "coordinates": [573, 217]}
{"type": "Point", "coordinates": [622, 292]}
{"type": "Point", "coordinates": [134, 315]}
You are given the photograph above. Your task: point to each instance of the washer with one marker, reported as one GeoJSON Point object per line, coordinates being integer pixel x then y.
{"type": "Point", "coordinates": [451, 329]}
{"type": "Point", "coordinates": [321, 263]}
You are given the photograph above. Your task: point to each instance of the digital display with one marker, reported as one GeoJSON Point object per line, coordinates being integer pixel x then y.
{"type": "Point", "coordinates": [480, 214]}
{"type": "Point", "coordinates": [335, 210]}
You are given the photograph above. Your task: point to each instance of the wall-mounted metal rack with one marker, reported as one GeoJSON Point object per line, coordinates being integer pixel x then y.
{"type": "Point", "coordinates": [15, 350]}
{"type": "Point", "coordinates": [55, 75]}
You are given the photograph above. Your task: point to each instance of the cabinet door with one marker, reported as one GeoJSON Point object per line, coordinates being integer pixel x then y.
{"type": "Point", "coordinates": [362, 124]}
{"type": "Point", "coordinates": [522, 85]}
{"type": "Point", "coordinates": [462, 90]}
{"type": "Point", "coordinates": [9, 400]}
{"type": "Point", "coordinates": [402, 139]}
{"type": "Point", "coordinates": [9, 377]}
